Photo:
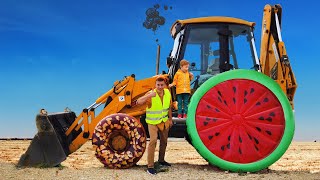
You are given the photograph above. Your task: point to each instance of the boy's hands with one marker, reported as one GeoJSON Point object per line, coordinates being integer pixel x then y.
{"type": "Point", "coordinates": [191, 75]}
{"type": "Point", "coordinates": [152, 94]}
{"type": "Point", "coordinates": [170, 85]}
{"type": "Point", "coordinates": [146, 97]}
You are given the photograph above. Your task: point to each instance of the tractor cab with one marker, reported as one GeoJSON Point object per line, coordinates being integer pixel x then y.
{"type": "Point", "coordinates": [212, 45]}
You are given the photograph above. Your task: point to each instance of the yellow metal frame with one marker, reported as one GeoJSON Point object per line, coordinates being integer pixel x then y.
{"type": "Point", "coordinates": [273, 54]}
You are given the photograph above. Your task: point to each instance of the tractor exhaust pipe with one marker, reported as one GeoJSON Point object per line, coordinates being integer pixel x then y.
{"type": "Point", "coordinates": [158, 60]}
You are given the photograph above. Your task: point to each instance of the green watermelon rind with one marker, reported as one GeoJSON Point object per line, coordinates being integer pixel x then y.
{"type": "Point", "coordinates": [241, 167]}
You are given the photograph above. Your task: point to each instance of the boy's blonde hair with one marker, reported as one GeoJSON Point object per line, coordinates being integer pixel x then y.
{"type": "Point", "coordinates": [183, 62]}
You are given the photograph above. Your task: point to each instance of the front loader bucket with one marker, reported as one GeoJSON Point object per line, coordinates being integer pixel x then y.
{"type": "Point", "coordinates": [44, 151]}
{"type": "Point", "coordinates": [50, 146]}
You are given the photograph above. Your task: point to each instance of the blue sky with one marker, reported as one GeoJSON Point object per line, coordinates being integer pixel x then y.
{"type": "Point", "coordinates": [57, 54]}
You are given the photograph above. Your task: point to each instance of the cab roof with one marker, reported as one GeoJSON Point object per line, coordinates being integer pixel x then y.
{"type": "Point", "coordinates": [210, 19]}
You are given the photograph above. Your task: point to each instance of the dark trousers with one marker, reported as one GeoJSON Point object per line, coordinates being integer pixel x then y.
{"type": "Point", "coordinates": [183, 100]}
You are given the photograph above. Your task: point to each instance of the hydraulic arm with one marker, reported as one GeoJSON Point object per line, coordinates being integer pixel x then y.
{"type": "Point", "coordinates": [273, 55]}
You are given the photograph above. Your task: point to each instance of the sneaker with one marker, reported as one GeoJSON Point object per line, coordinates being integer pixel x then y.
{"type": "Point", "coordinates": [179, 116]}
{"type": "Point", "coordinates": [164, 163]}
{"type": "Point", "coordinates": [151, 171]}
{"type": "Point", "coordinates": [185, 116]}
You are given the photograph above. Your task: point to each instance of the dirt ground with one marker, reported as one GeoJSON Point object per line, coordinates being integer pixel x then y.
{"type": "Point", "coordinates": [301, 161]}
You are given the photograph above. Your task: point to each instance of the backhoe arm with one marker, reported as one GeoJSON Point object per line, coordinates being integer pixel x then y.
{"type": "Point", "coordinates": [273, 55]}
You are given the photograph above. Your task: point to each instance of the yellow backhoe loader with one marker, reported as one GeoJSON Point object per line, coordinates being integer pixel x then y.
{"type": "Point", "coordinates": [240, 116]}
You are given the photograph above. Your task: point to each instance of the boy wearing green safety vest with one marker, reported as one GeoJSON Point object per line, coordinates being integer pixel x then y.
{"type": "Point", "coordinates": [159, 119]}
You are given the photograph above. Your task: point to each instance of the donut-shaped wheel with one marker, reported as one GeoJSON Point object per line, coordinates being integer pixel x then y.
{"type": "Point", "coordinates": [240, 120]}
{"type": "Point", "coordinates": [120, 141]}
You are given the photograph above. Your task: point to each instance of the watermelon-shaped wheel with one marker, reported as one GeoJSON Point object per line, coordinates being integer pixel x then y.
{"type": "Point", "coordinates": [240, 121]}
{"type": "Point", "coordinates": [119, 140]}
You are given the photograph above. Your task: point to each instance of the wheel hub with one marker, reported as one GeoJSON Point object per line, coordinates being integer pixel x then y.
{"type": "Point", "coordinates": [119, 141]}
{"type": "Point", "coordinates": [238, 120]}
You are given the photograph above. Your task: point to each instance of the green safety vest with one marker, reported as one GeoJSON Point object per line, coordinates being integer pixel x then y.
{"type": "Point", "coordinates": [158, 112]}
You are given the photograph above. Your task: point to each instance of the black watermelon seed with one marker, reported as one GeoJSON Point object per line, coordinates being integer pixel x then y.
{"type": "Point", "coordinates": [251, 90]}
{"type": "Point", "coordinates": [256, 147]}
{"type": "Point", "coordinates": [272, 114]}
{"type": "Point", "coordinates": [245, 93]}
{"type": "Point", "coordinates": [210, 137]}
{"type": "Point", "coordinates": [228, 146]}
{"type": "Point", "coordinates": [259, 129]}
{"type": "Point", "coordinates": [219, 99]}
{"type": "Point", "coordinates": [205, 123]}
{"type": "Point", "coordinates": [269, 119]}
{"type": "Point", "coordinates": [240, 140]}
{"type": "Point", "coordinates": [261, 118]}
{"type": "Point", "coordinates": [268, 132]}
{"type": "Point", "coordinates": [234, 89]}
{"type": "Point", "coordinates": [250, 136]}
{"type": "Point", "coordinates": [217, 110]}
{"type": "Point", "coordinates": [240, 151]}
{"type": "Point", "coordinates": [219, 93]}
{"type": "Point", "coordinates": [214, 119]}
{"type": "Point", "coordinates": [256, 140]}
{"type": "Point", "coordinates": [222, 148]}
{"type": "Point", "coordinates": [234, 100]}
{"type": "Point", "coordinates": [265, 100]}
{"type": "Point", "coordinates": [225, 102]}
{"type": "Point", "coordinates": [209, 107]}
{"type": "Point", "coordinates": [245, 100]}
{"type": "Point", "coordinates": [229, 137]}
{"type": "Point", "coordinates": [217, 134]}
{"type": "Point", "coordinates": [208, 119]}
{"type": "Point", "coordinates": [258, 103]}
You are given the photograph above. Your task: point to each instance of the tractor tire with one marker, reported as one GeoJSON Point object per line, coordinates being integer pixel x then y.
{"type": "Point", "coordinates": [119, 140]}
{"type": "Point", "coordinates": [240, 121]}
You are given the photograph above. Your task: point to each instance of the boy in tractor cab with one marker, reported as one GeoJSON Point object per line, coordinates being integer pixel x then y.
{"type": "Point", "coordinates": [182, 82]}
